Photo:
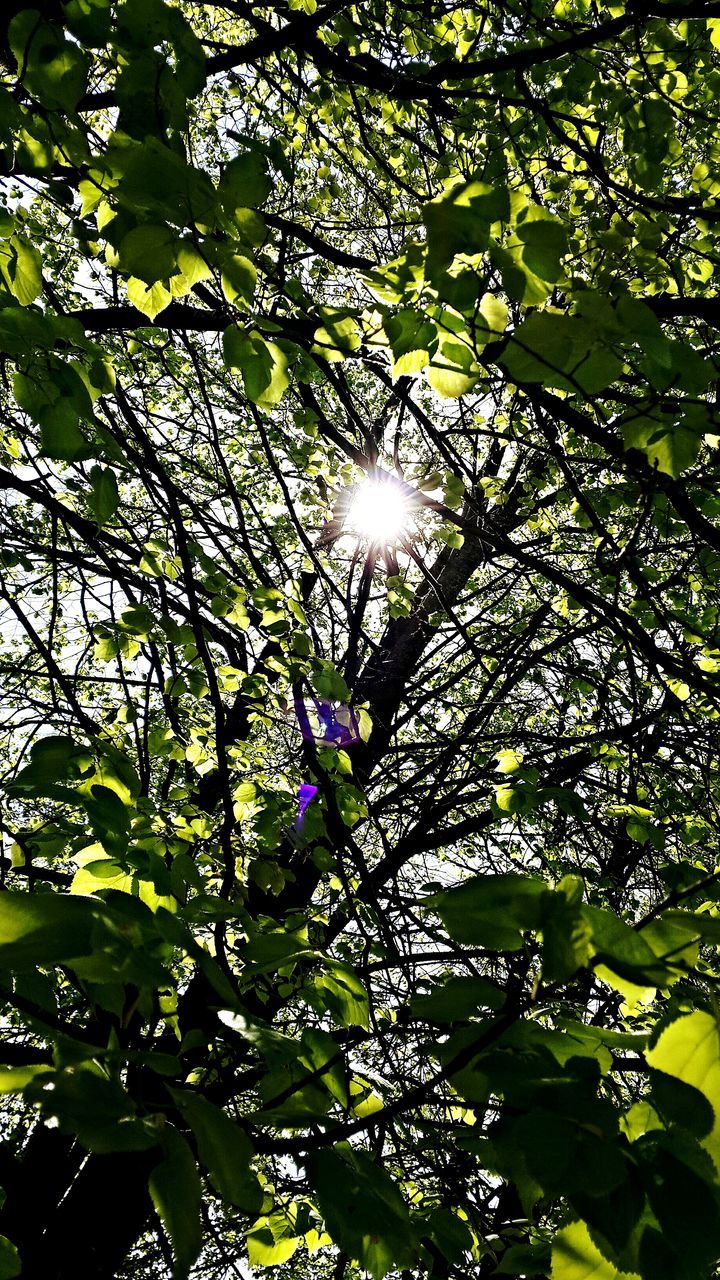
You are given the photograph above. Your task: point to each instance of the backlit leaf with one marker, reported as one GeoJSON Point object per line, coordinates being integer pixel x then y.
{"type": "Point", "coordinates": [176, 1194]}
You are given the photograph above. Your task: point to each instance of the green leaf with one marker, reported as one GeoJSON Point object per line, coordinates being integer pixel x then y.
{"type": "Point", "coordinates": [677, 1102]}
{"type": "Point", "coordinates": [176, 1193]}
{"type": "Point", "coordinates": [337, 336]}
{"type": "Point", "coordinates": [150, 299]}
{"type": "Point", "coordinates": [272, 1241]}
{"type": "Point", "coordinates": [567, 933]}
{"type": "Point", "coordinates": [245, 183]}
{"type": "Point", "coordinates": [453, 370]}
{"type": "Point", "coordinates": [576, 1257]}
{"type": "Point", "coordinates": [53, 69]}
{"type": "Point", "coordinates": [322, 1054]}
{"type": "Point", "coordinates": [450, 1233]}
{"type": "Point", "coordinates": [363, 1209]}
{"type": "Point", "coordinates": [22, 329]}
{"type": "Point", "coordinates": [460, 222]}
{"type": "Point", "coordinates": [54, 758]}
{"type": "Point", "coordinates": [343, 994]}
{"type": "Point", "coordinates": [544, 242]}
{"type": "Point", "coordinates": [99, 377]}
{"type": "Point", "coordinates": [239, 278]}
{"type": "Point", "coordinates": [64, 442]}
{"type": "Point", "coordinates": [490, 910]}
{"type": "Point", "coordinates": [191, 264]}
{"type": "Point", "coordinates": [104, 497]}
{"type": "Point", "coordinates": [684, 1199]}
{"type": "Point", "coordinates": [412, 337]}
{"type": "Point", "coordinates": [290, 1098]}
{"type": "Point", "coordinates": [330, 683]}
{"type": "Point", "coordinates": [156, 181]}
{"type": "Point", "coordinates": [21, 267]}
{"type": "Point", "coordinates": [508, 761]}
{"type": "Point", "coordinates": [560, 351]}
{"type": "Point", "coordinates": [15, 1079]}
{"type": "Point", "coordinates": [54, 395]}
{"type": "Point", "coordinates": [224, 1149]}
{"type": "Point", "coordinates": [689, 1050]}
{"type": "Point", "coordinates": [695, 925]}
{"type": "Point", "coordinates": [671, 447]}
{"type": "Point", "coordinates": [82, 1100]}
{"type": "Point", "coordinates": [109, 817]}
{"type": "Point", "coordinates": [10, 1265]}
{"type": "Point", "coordinates": [44, 929]}
{"type": "Point", "coordinates": [524, 1260]}
{"type": "Point", "coordinates": [270, 951]}
{"type": "Point", "coordinates": [458, 998]}
{"type": "Point", "coordinates": [517, 799]}
{"type": "Point", "coordinates": [623, 950]}
{"type": "Point", "coordinates": [263, 365]}
{"type": "Point", "coordinates": [150, 253]}
{"type": "Point", "coordinates": [519, 281]}
{"type": "Point", "coordinates": [491, 320]}
{"type": "Point", "coordinates": [89, 21]}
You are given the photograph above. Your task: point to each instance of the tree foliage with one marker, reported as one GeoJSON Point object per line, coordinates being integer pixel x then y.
{"type": "Point", "coordinates": [456, 1014]}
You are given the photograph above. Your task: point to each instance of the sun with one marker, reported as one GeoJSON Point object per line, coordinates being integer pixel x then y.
{"type": "Point", "coordinates": [379, 511]}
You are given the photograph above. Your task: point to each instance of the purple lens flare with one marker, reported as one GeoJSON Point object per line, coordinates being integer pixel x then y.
{"type": "Point", "coordinates": [325, 723]}
{"type": "Point", "coordinates": [306, 795]}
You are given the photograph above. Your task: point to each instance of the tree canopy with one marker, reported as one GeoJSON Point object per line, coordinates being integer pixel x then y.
{"type": "Point", "coordinates": [360, 908]}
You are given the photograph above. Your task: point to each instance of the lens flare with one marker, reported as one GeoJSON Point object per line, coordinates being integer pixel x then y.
{"type": "Point", "coordinates": [379, 511]}
{"type": "Point", "coordinates": [306, 795]}
{"type": "Point", "coordinates": [326, 724]}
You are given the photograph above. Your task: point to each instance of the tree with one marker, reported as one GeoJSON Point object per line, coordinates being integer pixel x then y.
{"type": "Point", "coordinates": [360, 885]}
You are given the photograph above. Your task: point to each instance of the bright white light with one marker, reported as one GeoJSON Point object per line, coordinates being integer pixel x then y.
{"type": "Point", "coordinates": [378, 511]}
